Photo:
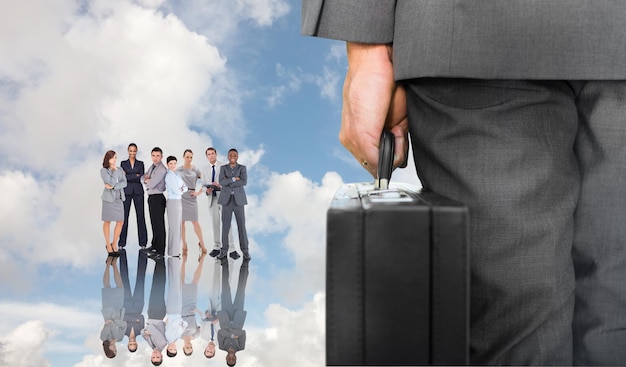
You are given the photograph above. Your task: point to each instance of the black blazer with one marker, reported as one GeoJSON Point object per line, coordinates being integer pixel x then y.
{"type": "Point", "coordinates": [134, 186]}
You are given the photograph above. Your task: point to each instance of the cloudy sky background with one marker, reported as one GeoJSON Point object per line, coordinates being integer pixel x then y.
{"type": "Point", "coordinates": [79, 77]}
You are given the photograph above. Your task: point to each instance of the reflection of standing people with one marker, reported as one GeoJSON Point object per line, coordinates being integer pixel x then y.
{"type": "Point", "coordinates": [174, 325]}
{"type": "Point", "coordinates": [112, 200]}
{"type": "Point", "coordinates": [112, 309]}
{"type": "Point", "coordinates": [134, 169]}
{"type": "Point", "coordinates": [210, 177]}
{"type": "Point", "coordinates": [154, 331]}
{"type": "Point", "coordinates": [209, 319]}
{"type": "Point", "coordinates": [190, 302]}
{"type": "Point", "coordinates": [190, 175]}
{"type": "Point", "coordinates": [155, 187]}
{"type": "Point", "coordinates": [175, 188]}
{"type": "Point", "coordinates": [233, 178]}
{"type": "Point", "coordinates": [518, 110]}
{"type": "Point", "coordinates": [231, 336]}
{"type": "Point", "coordinates": [133, 301]}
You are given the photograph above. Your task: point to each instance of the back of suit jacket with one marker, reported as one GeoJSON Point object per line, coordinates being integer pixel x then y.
{"type": "Point", "coordinates": [486, 39]}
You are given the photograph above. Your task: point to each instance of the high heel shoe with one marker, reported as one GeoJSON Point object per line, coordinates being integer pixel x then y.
{"type": "Point", "coordinates": [112, 253]}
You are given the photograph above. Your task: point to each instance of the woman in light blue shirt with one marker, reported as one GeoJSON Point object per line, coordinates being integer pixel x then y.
{"type": "Point", "coordinates": [112, 200]}
{"type": "Point", "coordinates": [175, 187]}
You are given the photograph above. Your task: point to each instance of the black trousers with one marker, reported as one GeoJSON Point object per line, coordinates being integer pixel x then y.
{"type": "Point", "coordinates": [141, 219]}
{"type": "Point", "coordinates": [156, 206]}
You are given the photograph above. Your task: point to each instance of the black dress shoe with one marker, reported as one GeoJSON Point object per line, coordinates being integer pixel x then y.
{"type": "Point", "coordinates": [114, 254]}
{"type": "Point", "coordinates": [214, 253]}
{"type": "Point", "coordinates": [246, 255]}
{"type": "Point", "coordinates": [148, 249]}
{"type": "Point", "coordinates": [155, 255]}
{"type": "Point", "coordinates": [222, 255]}
{"type": "Point", "coordinates": [234, 255]}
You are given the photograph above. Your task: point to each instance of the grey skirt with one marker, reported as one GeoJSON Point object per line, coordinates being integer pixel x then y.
{"type": "Point", "coordinates": [113, 211]}
{"type": "Point", "coordinates": [190, 208]}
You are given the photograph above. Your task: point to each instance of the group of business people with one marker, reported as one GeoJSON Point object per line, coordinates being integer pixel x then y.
{"type": "Point", "coordinates": [222, 183]}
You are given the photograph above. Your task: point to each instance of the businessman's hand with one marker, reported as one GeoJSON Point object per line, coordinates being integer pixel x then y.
{"type": "Point", "coordinates": [372, 100]}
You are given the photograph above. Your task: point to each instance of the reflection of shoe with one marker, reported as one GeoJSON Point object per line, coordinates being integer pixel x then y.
{"type": "Point", "coordinates": [114, 254]}
{"type": "Point", "coordinates": [202, 248]}
{"type": "Point", "coordinates": [246, 255]}
{"type": "Point", "coordinates": [155, 255]}
{"type": "Point", "coordinates": [148, 249]}
{"type": "Point", "coordinates": [214, 253]}
{"type": "Point", "coordinates": [234, 255]}
{"type": "Point", "coordinates": [221, 255]}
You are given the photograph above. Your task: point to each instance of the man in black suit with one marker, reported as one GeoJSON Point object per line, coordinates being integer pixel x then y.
{"type": "Point", "coordinates": [134, 169]}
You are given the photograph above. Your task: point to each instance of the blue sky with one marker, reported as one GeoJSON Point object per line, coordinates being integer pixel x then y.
{"type": "Point", "coordinates": [80, 77]}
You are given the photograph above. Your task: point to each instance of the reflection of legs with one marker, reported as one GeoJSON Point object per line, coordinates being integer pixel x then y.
{"type": "Point", "coordinates": [125, 279]}
{"type": "Point", "coordinates": [600, 237]}
{"type": "Point", "coordinates": [156, 304]}
{"type": "Point", "coordinates": [138, 294]}
{"type": "Point", "coordinates": [174, 289]}
{"type": "Point", "coordinates": [215, 293]}
{"type": "Point", "coordinates": [505, 149]}
{"type": "Point", "coordinates": [116, 274]}
{"type": "Point", "coordinates": [240, 295]}
{"type": "Point", "coordinates": [227, 301]}
{"type": "Point", "coordinates": [106, 281]}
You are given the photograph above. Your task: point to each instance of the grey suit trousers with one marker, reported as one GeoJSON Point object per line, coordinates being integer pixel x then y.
{"type": "Point", "coordinates": [240, 216]}
{"type": "Point", "coordinates": [542, 167]}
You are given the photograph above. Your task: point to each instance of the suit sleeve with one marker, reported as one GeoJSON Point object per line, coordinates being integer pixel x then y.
{"type": "Point", "coordinates": [365, 21]}
{"type": "Point", "coordinates": [121, 182]}
{"type": "Point", "coordinates": [243, 178]}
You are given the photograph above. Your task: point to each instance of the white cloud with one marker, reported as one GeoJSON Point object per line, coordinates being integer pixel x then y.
{"type": "Point", "coordinates": [295, 204]}
{"type": "Point", "coordinates": [293, 337]}
{"type": "Point", "coordinates": [263, 12]}
{"type": "Point", "coordinates": [23, 346]}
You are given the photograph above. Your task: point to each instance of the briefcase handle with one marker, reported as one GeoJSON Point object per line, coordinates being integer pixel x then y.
{"type": "Point", "coordinates": [385, 160]}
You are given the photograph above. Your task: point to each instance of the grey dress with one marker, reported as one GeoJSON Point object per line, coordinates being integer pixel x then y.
{"type": "Point", "coordinates": [190, 204]}
{"type": "Point", "coordinates": [113, 199]}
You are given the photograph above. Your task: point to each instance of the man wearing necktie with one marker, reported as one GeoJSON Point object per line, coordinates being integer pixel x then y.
{"type": "Point", "coordinates": [210, 176]}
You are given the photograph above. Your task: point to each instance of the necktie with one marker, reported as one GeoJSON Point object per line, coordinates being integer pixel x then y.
{"type": "Point", "coordinates": [212, 332]}
{"type": "Point", "coordinates": [213, 178]}
{"type": "Point", "coordinates": [150, 170]}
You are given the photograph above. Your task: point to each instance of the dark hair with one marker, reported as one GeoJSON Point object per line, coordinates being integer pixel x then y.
{"type": "Point", "coordinates": [157, 363]}
{"type": "Point", "coordinates": [171, 355]}
{"type": "Point", "coordinates": [157, 149]}
{"type": "Point", "coordinates": [132, 145]}
{"type": "Point", "coordinates": [171, 158]}
{"type": "Point", "coordinates": [108, 155]}
{"type": "Point", "coordinates": [132, 350]}
{"type": "Point", "coordinates": [233, 150]}
{"type": "Point", "coordinates": [187, 354]}
{"type": "Point", "coordinates": [187, 150]}
{"type": "Point", "coordinates": [210, 148]}
{"type": "Point", "coordinates": [108, 352]}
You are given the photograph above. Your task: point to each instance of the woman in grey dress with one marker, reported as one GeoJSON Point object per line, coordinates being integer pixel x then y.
{"type": "Point", "coordinates": [112, 200]}
{"type": "Point", "coordinates": [190, 175]}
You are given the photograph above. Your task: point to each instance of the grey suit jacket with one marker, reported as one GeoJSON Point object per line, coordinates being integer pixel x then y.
{"type": "Point", "coordinates": [226, 180]}
{"type": "Point", "coordinates": [117, 179]}
{"type": "Point", "coordinates": [486, 39]}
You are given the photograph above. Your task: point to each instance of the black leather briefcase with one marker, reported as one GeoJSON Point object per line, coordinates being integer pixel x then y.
{"type": "Point", "coordinates": [397, 278]}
